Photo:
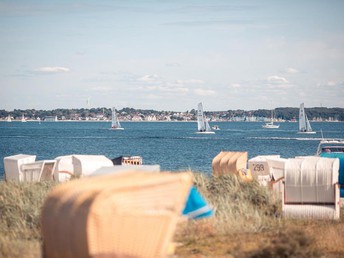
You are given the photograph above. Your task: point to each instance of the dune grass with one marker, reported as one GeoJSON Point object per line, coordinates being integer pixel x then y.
{"type": "Point", "coordinates": [247, 223]}
{"type": "Point", "coordinates": [20, 205]}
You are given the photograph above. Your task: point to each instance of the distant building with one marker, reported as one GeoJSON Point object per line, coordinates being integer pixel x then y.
{"type": "Point", "coordinates": [50, 119]}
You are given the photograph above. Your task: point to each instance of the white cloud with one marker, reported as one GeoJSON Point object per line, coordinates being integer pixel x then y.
{"type": "Point", "coordinates": [291, 70]}
{"type": "Point", "coordinates": [173, 64]}
{"type": "Point", "coordinates": [235, 85]}
{"type": "Point", "coordinates": [174, 89]}
{"type": "Point", "coordinates": [190, 81]}
{"type": "Point", "coordinates": [275, 79]}
{"type": "Point", "coordinates": [149, 78]}
{"type": "Point", "coordinates": [331, 83]}
{"type": "Point", "coordinates": [101, 89]}
{"type": "Point", "coordinates": [52, 69]}
{"type": "Point", "coordinates": [204, 92]}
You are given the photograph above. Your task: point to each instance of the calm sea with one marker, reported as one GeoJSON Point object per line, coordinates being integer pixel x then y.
{"type": "Point", "coordinates": [172, 145]}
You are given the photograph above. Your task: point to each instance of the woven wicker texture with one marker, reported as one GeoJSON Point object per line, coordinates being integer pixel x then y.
{"type": "Point", "coordinates": [231, 162]}
{"type": "Point", "coordinates": [118, 215]}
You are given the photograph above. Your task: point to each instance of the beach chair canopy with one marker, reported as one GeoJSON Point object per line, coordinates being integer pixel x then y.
{"type": "Point", "coordinates": [227, 162]}
{"type": "Point", "coordinates": [85, 165]}
{"type": "Point", "coordinates": [311, 188]}
{"type": "Point", "coordinates": [12, 165]}
{"type": "Point", "coordinates": [126, 214]}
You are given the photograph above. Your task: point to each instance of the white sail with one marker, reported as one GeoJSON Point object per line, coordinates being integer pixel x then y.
{"type": "Point", "coordinates": [304, 125]}
{"type": "Point", "coordinates": [115, 124]}
{"type": "Point", "coordinates": [200, 118]}
{"type": "Point", "coordinates": [9, 119]}
{"type": "Point", "coordinates": [202, 123]}
{"type": "Point", "coordinates": [207, 127]}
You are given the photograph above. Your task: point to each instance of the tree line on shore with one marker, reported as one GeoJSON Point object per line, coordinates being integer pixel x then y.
{"type": "Point", "coordinates": [281, 113]}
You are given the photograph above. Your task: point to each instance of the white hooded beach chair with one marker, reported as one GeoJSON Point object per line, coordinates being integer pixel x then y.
{"type": "Point", "coordinates": [84, 165]}
{"type": "Point", "coordinates": [311, 188]}
{"type": "Point", "coordinates": [24, 168]}
{"type": "Point", "coordinates": [13, 165]}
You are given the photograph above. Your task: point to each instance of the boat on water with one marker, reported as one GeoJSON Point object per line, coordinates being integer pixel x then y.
{"type": "Point", "coordinates": [215, 127]}
{"type": "Point", "coordinates": [9, 119]}
{"type": "Point", "coordinates": [115, 124]}
{"type": "Point", "coordinates": [202, 123]}
{"type": "Point", "coordinates": [23, 118]}
{"type": "Point", "coordinates": [304, 125]}
{"type": "Point", "coordinates": [271, 125]}
{"type": "Point", "coordinates": [331, 146]}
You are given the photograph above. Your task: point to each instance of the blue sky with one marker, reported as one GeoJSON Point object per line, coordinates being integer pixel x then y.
{"type": "Point", "coordinates": [170, 55]}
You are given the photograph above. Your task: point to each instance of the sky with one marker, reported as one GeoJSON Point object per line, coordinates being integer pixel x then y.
{"type": "Point", "coordinates": [172, 54]}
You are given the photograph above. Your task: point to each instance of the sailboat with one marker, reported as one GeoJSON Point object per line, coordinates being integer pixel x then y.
{"type": "Point", "coordinates": [202, 123]}
{"type": "Point", "coordinates": [115, 125]}
{"type": "Point", "coordinates": [304, 125]}
{"type": "Point", "coordinates": [9, 119]}
{"type": "Point", "coordinates": [271, 125]}
{"type": "Point", "coordinates": [23, 118]}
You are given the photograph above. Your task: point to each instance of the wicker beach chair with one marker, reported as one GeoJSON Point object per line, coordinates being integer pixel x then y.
{"type": "Point", "coordinates": [118, 215]}
{"type": "Point", "coordinates": [216, 162]}
{"type": "Point", "coordinates": [311, 188]}
{"type": "Point", "coordinates": [231, 162]}
{"type": "Point", "coordinates": [38, 171]}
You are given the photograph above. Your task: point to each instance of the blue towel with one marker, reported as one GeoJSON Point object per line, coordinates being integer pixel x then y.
{"type": "Point", "coordinates": [196, 207]}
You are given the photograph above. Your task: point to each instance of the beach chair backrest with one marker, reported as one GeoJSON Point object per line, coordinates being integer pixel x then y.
{"type": "Point", "coordinates": [311, 180]}
{"type": "Point", "coordinates": [122, 214]}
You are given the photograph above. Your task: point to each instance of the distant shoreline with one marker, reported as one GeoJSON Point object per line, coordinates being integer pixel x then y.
{"type": "Point", "coordinates": [160, 121]}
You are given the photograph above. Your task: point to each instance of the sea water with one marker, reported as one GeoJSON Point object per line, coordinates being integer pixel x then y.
{"type": "Point", "coordinates": [173, 145]}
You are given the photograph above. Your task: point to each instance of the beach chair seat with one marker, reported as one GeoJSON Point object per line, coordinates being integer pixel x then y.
{"type": "Point", "coordinates": [124, 214]}
{"type": "Point", "coordinates": [38, 171]}
{"type": "Point", "coordinates": [311, 188]}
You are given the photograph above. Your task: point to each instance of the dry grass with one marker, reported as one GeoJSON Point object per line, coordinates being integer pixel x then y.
{"type": "Point", "coordinates": [20, 205]}
{"type": "Point", "coordinates": [247, 224]}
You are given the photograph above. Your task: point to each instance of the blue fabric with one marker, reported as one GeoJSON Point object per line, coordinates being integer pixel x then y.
{"type": "Point", "coordinates": [340, 156]}
{"type": "Point", "coordinates": [196, 207]}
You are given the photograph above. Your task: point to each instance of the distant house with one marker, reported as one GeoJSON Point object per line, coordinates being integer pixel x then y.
{"type": "Point", "coordinates": [137, 118]}
{"type": "Point", "coordinates": [50, 119]}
